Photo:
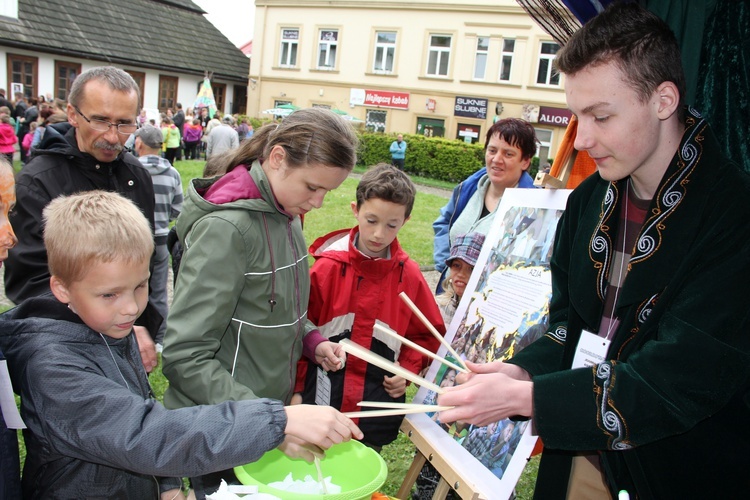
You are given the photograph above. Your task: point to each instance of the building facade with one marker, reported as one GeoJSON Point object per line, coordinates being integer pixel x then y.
{"type": "Point", "coordinates": [431, 67]}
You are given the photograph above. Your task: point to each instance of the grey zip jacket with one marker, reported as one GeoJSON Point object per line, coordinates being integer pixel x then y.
{"type": "Point", "coordinates": [94, 427]}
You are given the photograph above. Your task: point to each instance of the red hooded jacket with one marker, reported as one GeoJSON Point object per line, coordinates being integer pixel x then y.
{"type": "Point", "coordinates": [349, 292]}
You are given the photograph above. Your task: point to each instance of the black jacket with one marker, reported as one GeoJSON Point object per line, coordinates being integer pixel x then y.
{"type": "Point", "coordinates": [6, 102]}
{"type": "Point", "coordinates": [179, 120]}
{"type": "Point", "coordinates": [60, 168]}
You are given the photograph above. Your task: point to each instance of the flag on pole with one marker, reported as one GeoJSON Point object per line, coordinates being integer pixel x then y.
{"type": "Point", "coordinates": [205, 98]}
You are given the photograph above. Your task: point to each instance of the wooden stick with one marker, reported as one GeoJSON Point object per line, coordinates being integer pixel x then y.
{"type": "Point", "coordinates": [431, 328]}
{"type": "Point", "coordinates": [393, 412]}
{"type": "Point", "coordinates": [372, 358]}
{"type": "Point", "coordinates": [321, 480]}
{"type": "Point", "coordinates": [417, 347]}
{"type": "Point", "coordinates": [395, 406]}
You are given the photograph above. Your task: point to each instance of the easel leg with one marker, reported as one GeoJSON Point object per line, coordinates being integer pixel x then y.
{"type": "Point", "coordinates": [442, 490]}
{"type": "Point", "coordinates": [411, 476]}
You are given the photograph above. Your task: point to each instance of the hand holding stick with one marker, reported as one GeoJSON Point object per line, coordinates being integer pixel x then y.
{"type": "Point", "coordinates": [432, 330]}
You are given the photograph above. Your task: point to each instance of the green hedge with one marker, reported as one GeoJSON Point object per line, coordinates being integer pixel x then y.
{"type": "Point", "coordinates": [433, 157]}
{"type": "Point", "coordinates": [448, 160]}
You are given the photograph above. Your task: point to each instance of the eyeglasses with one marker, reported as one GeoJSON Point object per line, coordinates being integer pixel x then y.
{"type": "Point", "coordinates": [104, 125]}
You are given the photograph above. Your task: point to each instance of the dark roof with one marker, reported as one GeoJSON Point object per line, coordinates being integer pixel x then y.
{"type": "Point", "coordinates": [170, 35]}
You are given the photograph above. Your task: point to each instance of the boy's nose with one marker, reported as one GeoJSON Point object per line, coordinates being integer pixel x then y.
{"type": "Point", "coordinates": [583, 140]}
{"type": "Point", "coordinates": [130, 307]}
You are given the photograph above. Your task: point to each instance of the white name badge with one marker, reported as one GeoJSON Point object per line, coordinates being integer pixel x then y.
{"type": "Point", "coordinates": [323, 389]}
{"type": "Point", "coordinates": [592, 350]}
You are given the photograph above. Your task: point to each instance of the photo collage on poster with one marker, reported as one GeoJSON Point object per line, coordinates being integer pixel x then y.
{"type": "Point", "coordinates": [505, 308]}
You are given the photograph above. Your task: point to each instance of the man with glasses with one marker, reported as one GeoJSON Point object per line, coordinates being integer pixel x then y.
{"type": "Point", "coordinates": [86, 153]}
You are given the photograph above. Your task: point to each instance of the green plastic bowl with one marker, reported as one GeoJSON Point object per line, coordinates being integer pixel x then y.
{"type": "Point", "coordinates": [359, 470]}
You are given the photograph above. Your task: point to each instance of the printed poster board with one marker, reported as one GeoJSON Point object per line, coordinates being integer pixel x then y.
{"type": "Point", "coordinates": [505, 307]}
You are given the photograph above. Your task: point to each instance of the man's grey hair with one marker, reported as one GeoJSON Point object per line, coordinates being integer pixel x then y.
{"type": "Point", "coordinates": [116, 78]}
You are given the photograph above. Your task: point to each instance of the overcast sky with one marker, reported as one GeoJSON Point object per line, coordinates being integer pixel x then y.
{"type": "Point", "coordinates": [234, 18]}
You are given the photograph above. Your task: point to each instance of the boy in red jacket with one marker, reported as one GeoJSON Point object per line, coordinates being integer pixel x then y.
{"type": "Point", "coordinates": [354, 284]}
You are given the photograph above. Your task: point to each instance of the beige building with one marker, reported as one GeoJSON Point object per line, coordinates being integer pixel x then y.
{"type": "Point", "coordinates": [432, 67]}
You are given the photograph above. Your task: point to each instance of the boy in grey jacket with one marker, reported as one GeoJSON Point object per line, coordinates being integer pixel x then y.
{"type": "Point", "coordinates": [94, 428]}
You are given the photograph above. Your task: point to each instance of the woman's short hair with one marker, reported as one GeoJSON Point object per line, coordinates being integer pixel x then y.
{"type": "Point", "coordinates": [516, 132]}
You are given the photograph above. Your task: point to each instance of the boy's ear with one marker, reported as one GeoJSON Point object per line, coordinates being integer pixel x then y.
{"type": "Point", "coordinates": [59, 290]}
{"type": "Point", "coordinates": [669, 99]}
{"type": "Point", "coordinates": [355, 210]}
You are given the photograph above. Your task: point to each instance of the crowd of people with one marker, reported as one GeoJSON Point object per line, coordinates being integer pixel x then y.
{"type": "Point", "coordinates": [648, 268]}
{"type": "Point", "coordinates": [23, 122]}
{"type": "Point", "coordinates": [195, 140]}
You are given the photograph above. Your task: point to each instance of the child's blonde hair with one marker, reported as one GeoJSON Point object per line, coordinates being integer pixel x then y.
{"type": "Point", "coordinates": [93, 227]}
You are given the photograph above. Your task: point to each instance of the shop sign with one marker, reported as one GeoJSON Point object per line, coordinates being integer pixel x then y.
{"type": "Point", "coordinates": [471, 107]}
{"type": "Point", "coordinates": [379, 98]}
{"type": "Point", "coordinates": [554, 116]}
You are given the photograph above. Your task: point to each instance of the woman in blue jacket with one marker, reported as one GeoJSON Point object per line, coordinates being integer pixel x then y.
{"type": "Point", "coordinates": [509, 147]}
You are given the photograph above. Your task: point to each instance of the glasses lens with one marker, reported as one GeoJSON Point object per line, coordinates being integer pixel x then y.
{"type": "Point", "coordinates": [127, 128]}
{"type": "Point", "coordinates": [100, 125]}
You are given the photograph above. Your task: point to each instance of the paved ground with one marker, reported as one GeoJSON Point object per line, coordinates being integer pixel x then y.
{"type": "Point", "coordinates": [431, 276]}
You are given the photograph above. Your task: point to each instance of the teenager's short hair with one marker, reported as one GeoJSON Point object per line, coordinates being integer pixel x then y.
{"type": "Point", "coordinates": [516, 132]}
{"type": "Point", "coordinates": [388, 183]}
{"type": "Point", "coordinates": [636, 40]}
{"type": "Point", "coordinates": [93, 227]}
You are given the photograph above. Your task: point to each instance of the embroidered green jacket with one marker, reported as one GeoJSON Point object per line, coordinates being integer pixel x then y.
{"type": "Point", "coordinates": [668, 412]}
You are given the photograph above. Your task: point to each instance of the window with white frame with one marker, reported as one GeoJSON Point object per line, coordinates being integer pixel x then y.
{"type": "Point", "coordinates": [289, 46]}
{"type": "Point", "coordinates": [439, 56]}
{"type": "Point", "coordinates": [327, 45]}
{"type": "Point", "coordinates": [545, 144]}
{"type": "Point", "coordinates": [480, 62]}
{"type": "Point", "coordinates": [506, 59]}
{"type": "Point", "coordinates": [546, 75]}
{"type": "Point", "coordinates": [385, 51]}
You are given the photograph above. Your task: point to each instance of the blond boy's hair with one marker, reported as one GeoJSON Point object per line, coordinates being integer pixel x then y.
{"type": "Point", "coordinates": [93, 227]}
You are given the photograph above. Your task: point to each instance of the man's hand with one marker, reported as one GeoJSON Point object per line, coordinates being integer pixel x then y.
{"type": "Point", "coordinates": [330, 356]}
{"type": "Point", "coordinates": [147, 347]}
{"type": "Point", "coordinates": [487, 398]}
{"type": "Point", "coordinates": [513, 371]}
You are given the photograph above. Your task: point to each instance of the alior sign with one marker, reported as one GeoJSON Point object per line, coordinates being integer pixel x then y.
{"type": "Point", "coordinates": [554, 116]}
